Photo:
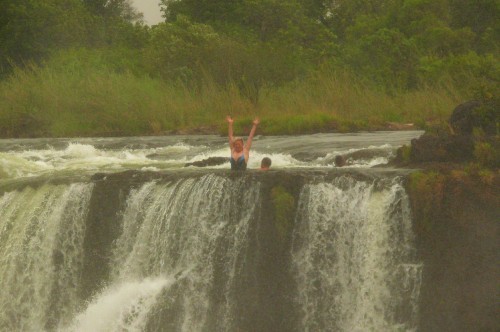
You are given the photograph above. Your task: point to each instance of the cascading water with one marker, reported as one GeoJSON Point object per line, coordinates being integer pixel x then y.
{"type": "Point", "coordinates": [352, 249]}
{"type": "Point", "coordinates": [41, 237]}
{"type": "Point", "coordinates": [153, 246]}
{"type": "Point", "coordinates": [184, 256]}
{"type": "Point", "coordinates": [187, 227]}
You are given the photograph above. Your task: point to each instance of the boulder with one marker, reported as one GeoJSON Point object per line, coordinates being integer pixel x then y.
{"type": "Point", "coordinates": [462, 120]}
{"type": "Point", "coordinates": [459, 144]}
{"type": "Point", "coordinates": [212, 161]}
{"type": "Point", "coordinates": [432, 148]}
{"type": "Point", "coordinates": [472, 114]}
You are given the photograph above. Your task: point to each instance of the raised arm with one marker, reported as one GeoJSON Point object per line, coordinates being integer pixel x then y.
{"type": "Point", "coordinates": [248, 144]}
{"type": "Point", "coordinates": [230, 131]}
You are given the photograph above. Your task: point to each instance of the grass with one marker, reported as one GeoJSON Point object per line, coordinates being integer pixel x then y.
{"type": "Point", "coordinates": [78, 100]}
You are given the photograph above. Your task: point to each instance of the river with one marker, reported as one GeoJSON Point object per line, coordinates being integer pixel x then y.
{"type": "Point", "coordinates": [118, 234]}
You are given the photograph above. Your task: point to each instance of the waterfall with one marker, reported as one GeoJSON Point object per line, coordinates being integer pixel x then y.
{"type": "Point", "coordinates": [185, 228]}
{"type": "Point", "coordinates": [353, 248]}
{"type": "Point", "coordinates": [198, 252]}
{"type": "Point", "coordinates": [41, 236]}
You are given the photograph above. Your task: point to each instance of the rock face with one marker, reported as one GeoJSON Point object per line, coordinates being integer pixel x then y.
{"type": "Point", "coordinates": [456, 223]}
{"type": "Point", "coordinates": [456, 219]}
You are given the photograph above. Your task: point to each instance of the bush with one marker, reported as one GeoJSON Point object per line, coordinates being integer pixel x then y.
{"type": "Point", "coordinates": [486, 155]}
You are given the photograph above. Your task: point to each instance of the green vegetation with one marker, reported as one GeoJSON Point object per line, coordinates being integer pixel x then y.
{"type": "Point", "coordinates": [404, 154]}
{"type": "Point", "coordinates": [486, 155]}
{"type": "Point", "coordinates": [427, 191]}
{"type": "Point", "coordinates": [437, 195]}
{"type": "Point", "coordinates": [84, 68]}
{"type": "Point", "coordinates": [283, 203]}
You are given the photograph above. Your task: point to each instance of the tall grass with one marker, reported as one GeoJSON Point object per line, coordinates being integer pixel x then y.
{"type": "Point", "coordinates": [62, 100]}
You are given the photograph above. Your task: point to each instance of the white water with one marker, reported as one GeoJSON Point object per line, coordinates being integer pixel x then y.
{"type": "Point", "coordinates": [123, 307]}
{"type": "Point", "coordinates": [28, 158]}
{"type": "Point", "coordinates": [172, 229]}
{"type": "Point", "coordinates": [183, 244]}
{"type": "Point", "coordinates": [352, 249]}
{"type": "Point", "coordinates": [41, 236]}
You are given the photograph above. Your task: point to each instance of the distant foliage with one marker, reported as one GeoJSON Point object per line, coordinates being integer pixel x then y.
{"type": "Point", "coordinates": [398, 44]}
{"type": "Point", "coordinates": [252, 51]}
{"type": "Point", "coordinates": [33, 30]}
{"type": "Point", "coordinates": [30, 30]}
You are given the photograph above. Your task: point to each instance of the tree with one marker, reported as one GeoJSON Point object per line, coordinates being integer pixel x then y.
{"type": "Point", "coordinates": [482, 17]}
{"type": "Point", "coordinates": [479, 15]}
{"type": "Point", "coordinates": [386, 57]}
{"type": "Point", "coordinates": [30, 29]}
{"type": "Point", "coordinates": [260, 42]}
{"type": "Point", "coordinates": [265, 19]}
{"type": "Point", "coordinates": [202, 11]}
{"type": "Point", "coordinates": [343, 14]}
{"type": "Point", "coordinates": [112, 9]}
{"type": "Point", "coordinates": [113, 22]}
{"type": "Point", "coordinates": [179, 50]}
{"type": "Point", "coordinates": [415, 17]}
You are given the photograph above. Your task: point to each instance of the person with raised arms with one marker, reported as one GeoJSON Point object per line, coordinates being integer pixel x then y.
{"type": "Point", "coordinates": [240, 151]}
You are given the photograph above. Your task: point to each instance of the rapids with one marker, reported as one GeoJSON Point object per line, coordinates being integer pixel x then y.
{"type": "Point", "coordinates": [33, 157]}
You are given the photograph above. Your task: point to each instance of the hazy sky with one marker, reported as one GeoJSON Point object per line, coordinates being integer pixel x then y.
{"type": "Point", "coordinates": [151, 10]}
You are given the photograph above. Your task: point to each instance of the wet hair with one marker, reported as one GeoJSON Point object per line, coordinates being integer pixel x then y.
{"type": "Point", "coordinates": [238, 139]}
{"type": "Point", "coordinates": [266, 162]}
{"type": "Point", "coordinates": [339, 161]}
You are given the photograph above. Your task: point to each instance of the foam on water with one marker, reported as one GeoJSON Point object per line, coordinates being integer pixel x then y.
{"type": "Point", "coordinates": [98, 155]}
{"type": "Point", "coordinates": [75, 157]}
{"type": "Point", "coordinates": [122, 307]}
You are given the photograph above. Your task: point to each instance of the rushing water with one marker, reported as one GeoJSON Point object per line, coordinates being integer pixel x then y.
{"type": "Point", "coordinates": [150, 245]}
{"type": "Point", "coordinates": [32, 157]}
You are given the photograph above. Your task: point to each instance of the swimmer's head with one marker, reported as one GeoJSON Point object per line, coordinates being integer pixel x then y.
{"type": "Point", "coordinates": [339, 161]}
{"type": "Point", "coordinates": [265, 163]}
{"type": "Point", "coordinates": [238, 144]}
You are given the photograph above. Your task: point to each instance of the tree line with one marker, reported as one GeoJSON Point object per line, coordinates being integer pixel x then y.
{"type": "Point", "coordinates": [251, 44]}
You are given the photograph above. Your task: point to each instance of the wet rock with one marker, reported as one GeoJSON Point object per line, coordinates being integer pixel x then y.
{"type": "Point", "coordinates": [308, 156]}
{"type": "Point", "coordinates": [367, 154]}
{"type": "Point", "coordinates": [212, 161]}
{"type": "Point", "coordinates": [430, 148]}
{"type": "Point", "coordinates": [98, 177]}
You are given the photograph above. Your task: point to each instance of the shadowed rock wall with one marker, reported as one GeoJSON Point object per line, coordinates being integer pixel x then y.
{"type": "Point", "coordinates": [456, 219]}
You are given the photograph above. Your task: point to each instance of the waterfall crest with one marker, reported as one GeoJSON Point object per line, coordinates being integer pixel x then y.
{"type": "Point", "coordinates": [204, 252]}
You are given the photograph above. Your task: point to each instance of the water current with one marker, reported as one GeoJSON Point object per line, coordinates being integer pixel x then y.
{"type": "Point", "coordinates": [127, 234]}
